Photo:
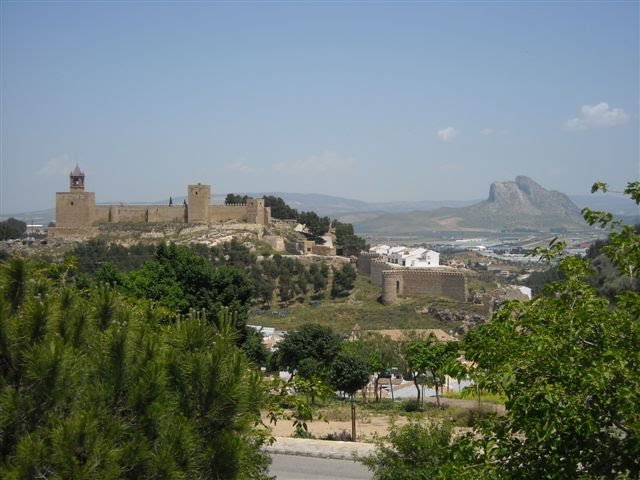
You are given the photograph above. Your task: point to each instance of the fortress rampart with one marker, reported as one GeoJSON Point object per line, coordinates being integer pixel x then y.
{"type": "Point", "coordinates": [405, 281]}
{"type": "Point", "coordinates": [378, 265]}
{"type": "Point", "coordinates": [397, 281]}
{"type": "Point", "coordinates": [77, 211]}
{"type": "Point", "coordinates": [363, 263]}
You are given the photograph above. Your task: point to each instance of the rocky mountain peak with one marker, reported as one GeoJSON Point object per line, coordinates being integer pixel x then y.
{"type": "Point", "coordinates": [526, 196]}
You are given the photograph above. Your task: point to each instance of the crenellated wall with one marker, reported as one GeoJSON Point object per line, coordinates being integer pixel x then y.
{"type": "Point", "coordinates": [363, 263]}
{"type": "Point", "coordinates": [378, 265]}
{"type": "Point", "coordinates": [414, 281]}
{"type": "Point", "coordinates": [224, 213]}
{"type": "Point", "coordinates": [139, 213]}
{"type": "Point", "coordinates": [77, 210]}
{"type": "Point", "coordinates": [397, 281]}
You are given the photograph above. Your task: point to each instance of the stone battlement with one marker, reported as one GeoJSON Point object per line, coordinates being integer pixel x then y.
{"type": "Point", "coordinates": [421, 272]}
{"type": "Point", "coordinates": [410, 281]}
{"type": "Point", "coordinates": [396, 280]}
{"type": "Point", "coordinates": [77, 210]}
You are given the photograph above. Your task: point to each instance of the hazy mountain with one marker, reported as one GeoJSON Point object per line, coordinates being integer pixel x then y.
{"type": "Point", "coordinates": [339, 206]}
{"type": "Point", "coordinates": [515, 205]}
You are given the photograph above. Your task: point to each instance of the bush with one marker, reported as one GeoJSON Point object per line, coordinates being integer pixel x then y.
{"type": "Point", "coordinates": [412, 406]}
{"type": "Point", "coordinates": [343, 436]}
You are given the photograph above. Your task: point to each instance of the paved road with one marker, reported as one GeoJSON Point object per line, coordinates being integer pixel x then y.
{"type": "Point", "coordinates": [293, 467]}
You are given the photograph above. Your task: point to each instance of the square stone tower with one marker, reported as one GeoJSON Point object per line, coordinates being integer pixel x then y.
{"type": "Point", "coordinates": [256, 211]}
{"type": "Point", "coordinates": [75, 208]}
{"type": "Point", "coordinates": [199, 200]}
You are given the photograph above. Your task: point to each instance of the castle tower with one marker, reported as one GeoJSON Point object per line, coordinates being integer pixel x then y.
{"type": "Point", "coordinates": [257, 212]}
{"type": "Point", "coordinates": [75, 209]}
{"type": "Point", "coordinates": [76, 180]}
{"type": "Point", "coordinates": [199, 198]}
{"type": "Point", "coordinates": [392, 286]}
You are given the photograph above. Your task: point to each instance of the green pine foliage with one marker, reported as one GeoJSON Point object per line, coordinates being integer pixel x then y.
{"type": "Point", "coordinates": [343, 281]}
{"type": "Point", "coordinates": [93, 385]}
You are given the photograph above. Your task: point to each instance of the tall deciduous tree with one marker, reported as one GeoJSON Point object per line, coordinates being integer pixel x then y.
{"type": "Point", "coordinates": [349, 373]}
{"type": "Point", "coordinates": [432, 359]}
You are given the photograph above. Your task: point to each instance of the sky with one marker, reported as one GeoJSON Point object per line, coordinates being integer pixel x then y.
{"type": "Point", "coordinates": [377, 101]}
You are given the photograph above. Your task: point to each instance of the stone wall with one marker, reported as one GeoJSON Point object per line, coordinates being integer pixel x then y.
{"type": "Point", "coordinates": [392, 286]}
{"type": "Point", "coordinates": [435, 283]}
{"type": "Point", "coordinates": [102, 213]}
{"type": "Point", "coordinates": [378, 265]}
{"type": "Point", "coordinates": [139, 214]}
{"type": "Point", "coordinates": [324, 250]}
{"type": "Point", "coordinates": [363, 263]}
{"type": "Point", "coordinates": [74, 209]}
{"type": "Point", "coordinates": [225, 213]}
{"type": "Point", "coordinates": [199, 200]}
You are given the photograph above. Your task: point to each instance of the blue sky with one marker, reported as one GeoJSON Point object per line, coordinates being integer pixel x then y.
{"type": "Point", "coordinates": [376, 101]}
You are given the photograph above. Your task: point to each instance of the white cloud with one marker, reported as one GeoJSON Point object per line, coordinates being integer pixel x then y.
{"type": "Point", "coordinates": [60, 165]}
{"type": "Point", "coordinates": [487, 131]}
{"type": "Point", "coordinates": [448, 134]}
{"type": "Point", "coordinates": [319, 163]}
{"type": "Point", "coordinates": [597, 116]}
{"type": "Point", "coordinates": [239, 166]}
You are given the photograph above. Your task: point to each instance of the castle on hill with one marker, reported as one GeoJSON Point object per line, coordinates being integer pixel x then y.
{"type": "Point", "coordinates": [78, 214]}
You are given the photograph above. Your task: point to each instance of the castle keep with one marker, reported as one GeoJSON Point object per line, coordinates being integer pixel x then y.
{"type": "Point", "coordinates": [77, 211]}
{"type": "Point", "coordinates": [396, 281]}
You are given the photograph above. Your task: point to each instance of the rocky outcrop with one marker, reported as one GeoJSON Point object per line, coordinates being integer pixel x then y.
{"type": "Point", "coordinates": [529, 198]}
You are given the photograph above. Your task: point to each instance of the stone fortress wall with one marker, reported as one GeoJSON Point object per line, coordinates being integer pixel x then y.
{"type": "Point", "coordinates": [77, 211]}
{"type": "Point", "coordinates": [397, 281]}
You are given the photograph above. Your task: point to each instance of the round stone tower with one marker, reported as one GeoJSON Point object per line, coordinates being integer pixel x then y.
{"type": "Point", "coordinates": [392, 286]}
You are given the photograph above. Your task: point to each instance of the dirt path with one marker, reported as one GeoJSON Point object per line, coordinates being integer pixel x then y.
{"type": "Point", "coordinates": [368, 425]}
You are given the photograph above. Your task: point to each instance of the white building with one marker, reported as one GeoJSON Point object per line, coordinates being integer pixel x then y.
{"type": "Point", "coordinates": [408, 257]}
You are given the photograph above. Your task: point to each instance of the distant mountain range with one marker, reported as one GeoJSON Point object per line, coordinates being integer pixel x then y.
{"type": "Point", "coordinates": [516, 204]}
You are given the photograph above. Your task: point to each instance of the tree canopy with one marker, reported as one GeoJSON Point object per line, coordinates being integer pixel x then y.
{"type": "Point", "coordinates": [93, 385]}
{"type": "Point", "coordinates": [12, 228]}
{"type": "Point", "coordinates": [310, 343]}
{"type": "Point", "coordinates": [568, 364]}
